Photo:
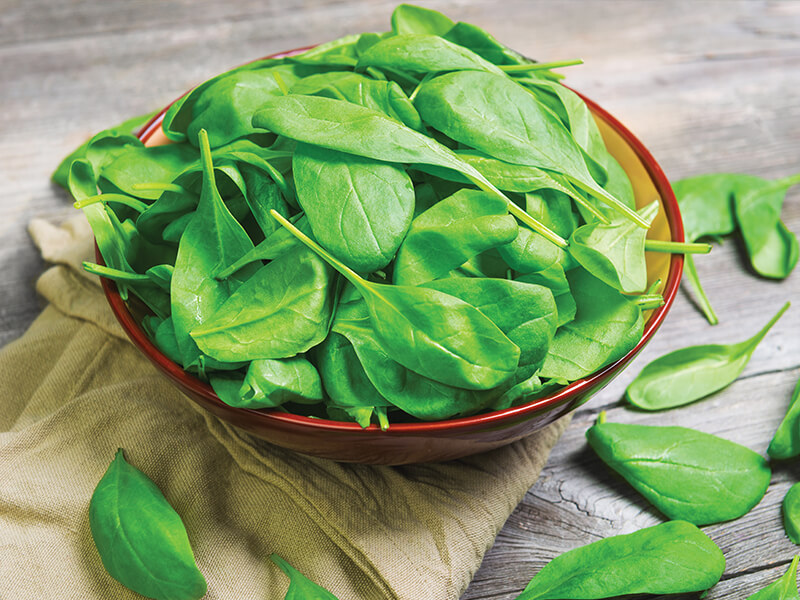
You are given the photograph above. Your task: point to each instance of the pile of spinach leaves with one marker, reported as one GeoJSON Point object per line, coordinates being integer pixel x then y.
{"type": "Point", "coordinates": [418, 224]}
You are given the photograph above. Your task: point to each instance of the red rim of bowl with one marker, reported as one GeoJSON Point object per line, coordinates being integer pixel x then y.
{"type": "Point", "coordinates": [481, 420]}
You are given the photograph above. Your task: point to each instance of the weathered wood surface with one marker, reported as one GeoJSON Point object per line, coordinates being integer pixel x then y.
{"type": "Point", "coordinates": [707, 86]}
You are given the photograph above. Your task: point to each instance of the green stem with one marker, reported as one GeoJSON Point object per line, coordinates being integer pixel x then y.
{"type": "Point", "coordinates": [756, 339]}
{"type": "Point", "coordinates": [601, 418]}
{"type": "Point", "coordinates": [650, 301]}
{"type": "Point", "coordinates": [471, 269]}
{"type": "Point", "coordinates": [114, 274]}
{"type": "Point", "coordinates": [694, 281]}
{"type": "Point", "coordinates": [346, 271]}
{"type": "Point", "coordinates": [585, 203]}
{"type": "Point", "coordinates": [676, 247]}
{"type": "Point", "coordinates": [416, 89]}
{"type": "Point", "coordinates": [133, 203]}
{"type": "Point", "coordinates": [375, 73]}
{"type": "Point", "coordinates": [652, 289]}
{"type": "Point", "coordinates": [209, 178]}
{"type": "Point", "coordinates": [540, 66]}
{"type": "Point", "coordinates": [611, 201]}
{"type": "Point", "coordinates": [159, 187]}
{"type": "Point", "coordinates": [787, 182]}
{"type": "Point", "coordinates": [281, 83]}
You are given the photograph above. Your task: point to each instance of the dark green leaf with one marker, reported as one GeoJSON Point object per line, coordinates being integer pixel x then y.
{"type": "Point", "coordinates": [140, 538]}
{"type": "Point", "coordinates": [791, 513]}
{"type": "Point", "coordinates": [786, 441]}
{"type": "Point", "coordinates": [670, 558]}
{"type": "Point", "coordinates": [686, 474]}
{"type": "Point", "coordinates": [692, 373]}
{"type": "Point", "coordinates": [300, 587]}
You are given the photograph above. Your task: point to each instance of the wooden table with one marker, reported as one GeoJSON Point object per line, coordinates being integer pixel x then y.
{"type": "Point", "coordinates": [707, 86]}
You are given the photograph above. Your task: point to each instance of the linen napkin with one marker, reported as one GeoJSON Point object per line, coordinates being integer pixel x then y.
{"type": "Point", "coordinates": [73, 390]}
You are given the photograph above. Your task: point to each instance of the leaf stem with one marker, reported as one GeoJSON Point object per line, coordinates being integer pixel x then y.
{"type": "Point", "coordinates": [601, 418]}
{"type": "Point", "coordinates": [540, 66]}
{"type": "Point", "coordinates": [133, 203]}
{"type": "Point", "coordinates": [159, 187]}
{"type": "Point", "coordinates": [756, 339]}
{"type": "Point", "coordinates": [281, 83]}
{"type": "Point", "coordinates": [694, 281]}
{"type": "Point", "coordinates": [346, 271]}
{"type": "Point", "coordinates": [419, 85]}
{"type": "Point", "coordinates": [114, 274]}
{"type": "Point", "coordinates": [650, 301]}
{"type": "Point", "coordinates": [676, 247]}
{"type": "Point", "coordinates": [611, 201]}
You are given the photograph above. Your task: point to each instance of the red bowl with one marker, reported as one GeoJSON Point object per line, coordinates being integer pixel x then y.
{"type": "Point", "coordinates": [406, 443]}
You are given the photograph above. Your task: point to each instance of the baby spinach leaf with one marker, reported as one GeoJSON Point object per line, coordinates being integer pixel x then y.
{"type": "Point", "coordinates": [262, 195]}
{"type": "Point", "coordinates": [554, 278]}
{"type": "Point", "coordinates": [269, 383]}
{"type": "Point", "coordinates": [383, 96]}
{"type": "Point", "coordinates": [671, 558]}
{"type": "Point", "coordinates": [422, 53]}
{"type": "Point", "coordinates": [607, 325]}
{"type": "Point", "coordinates": [300, 587]}
{"type": "Point", "coordinates": [483, 44]}
{"type": "Point", "coordinates": [358, 208]}
{"type": "Point", "coordinates": [408, 18]}
{"type": "Point", "coordinates": [364, 132]}
{"type": "Point", "coordinates": [783, 589]}
{"type": "Point", "coordinates": [140, 538]}
{"type": "Point", "coordinates": [614, 252]}
{"type": "Point", "coordinates": [126, 128]}
{"type": "Point", "coordinates": [431, 333]}
{"type": "Point", "coordinates": [757, 205]}
{"type": "Point", "coordinates": [692, 373]}
{"type": "Point", "coordinates": [496, 116]}
{"type": "Point", "coordinates": [686, 474]}
{"type": "Point", "coordinates": [791, 513]}
{"type": "Point", "coordinates": [340, 52]}
{"type": "Point", "coordinates": [284, 308]}
{"type": "Point", "coordinates": [786, 441]}
{"type": "Point", "coordinates": [525, 312]}
{"type": "Point", "coordinates": [451, 232]}
{"type": "Point", "coordinates": [212, 240]}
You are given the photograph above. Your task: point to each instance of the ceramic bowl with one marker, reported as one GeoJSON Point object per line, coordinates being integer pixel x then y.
{"type": "Point", "coordinates": [415, 442]}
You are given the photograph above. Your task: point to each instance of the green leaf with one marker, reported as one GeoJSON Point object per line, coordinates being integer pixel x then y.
{"type": "Point", "coordinates": [358, 208]}
{"type": "Point", "coordinates": [692, 373]}
{"type": "Point", "coordinates": [213, 239]}
{"type": "Point", "coordinates": [140, 538]}
{"type": "Point", "coordinates": [431, 333]}
{"type": "Point", "coordinates": [423, 53]}
{"type": "Point", "coordinates": [496, 116]}
{"type": "Point", "coordinates": [791, 513]}
{"type": "Point", "coordinates": [614, 252]}
{"type": "Point", "coordinates": [483, 44]}
{"type": "Point", "coordinates": [686, 474]}
{"type": "Point", "coordinates": [786, 441]}
{"type": "Point", "coordinates": [554, 278]}
{"type": "Point", "coordinates": [340, 52]}
{"type": "Point", "coordinates": [783, 589]}
{"type": "Point", "coordinates": [670, 558]}
{"type": "Point", "coordinates": [408, 18]}
{"type": "Point", "coordinates": [607, 326]}
{"type": "Point", "coordinates": [300, 587]}
{"type": "Point", "coordinates": [451, 232]}
{"type": "Point", "coordinates": [282, 310]}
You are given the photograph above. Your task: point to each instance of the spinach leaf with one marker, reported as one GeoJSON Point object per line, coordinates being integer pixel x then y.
{"type": "Point", "coordinates": [431, 333]}
{"type": "Point", "coordinates": [140, 538]}
{"type": "Point", "coordinates": [607, 325]}
{"type": "Point", "coordinates": [670, 558]}
{"type": "Point", "coordinates": [364, 132]}
{"type": "Point", "coordinates": [340, 52]}
{"type": "Point", "coordinates": [212, 240]}
{"type": "Point", "coordinates": [423, 53]}
{"type": "Point", "coordinates": [791, 513]}
{"type": "Point", "coordinates": [451, 232]}
{"type": "Point", "coordinates": [300, 587]}
{"type": "Point", "coordinates": [126, 128]}
{"type": "Point", "coordinates": [262, 195]}
{"type": "Point", "coordinates": [483, 44]}
{"type": "Point", "coordinates": [614, 252]}
{"type": "Point", "coordinates": [692, 373]}
{"type": "Point", "coordinates": [283, 309]}
{"type": "Point", "coordinates": [554, 278]}
{"type": "Point", "coordinates": [783, 589]}
{"type": "Point", "coordinates": [358, 208]}
{"type": "Point", "coordinates": [383, 96]}
{"type": "Point", "coordinates": [773, 249]}
{"type": "Point", "coordinates": [686, 474]}
{"type": "Point", "coordinates": [269, 383]}
{"type": "Point", "coordinates": [408, 18]}
{"type": "Point", "coordinates": [786, 441]}
{"type": "Point", "coordinates": [525, 312]}
{"type": "Point", "coordinates": [496, 116]}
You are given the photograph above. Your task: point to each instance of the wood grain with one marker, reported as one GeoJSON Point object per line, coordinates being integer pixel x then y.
{"type": "Point", "coordinates": [711, 86]}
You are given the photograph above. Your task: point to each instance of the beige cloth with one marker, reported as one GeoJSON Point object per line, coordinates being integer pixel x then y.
{"type": "Point", "coordinates": [73, 390]}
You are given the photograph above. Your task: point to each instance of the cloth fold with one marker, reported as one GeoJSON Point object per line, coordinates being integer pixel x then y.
{"type": "Point", "coordinates": [73, 390]}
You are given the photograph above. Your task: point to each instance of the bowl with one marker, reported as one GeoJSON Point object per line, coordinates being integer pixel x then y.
{"type": "Point", "coordinates": [405, 443]}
